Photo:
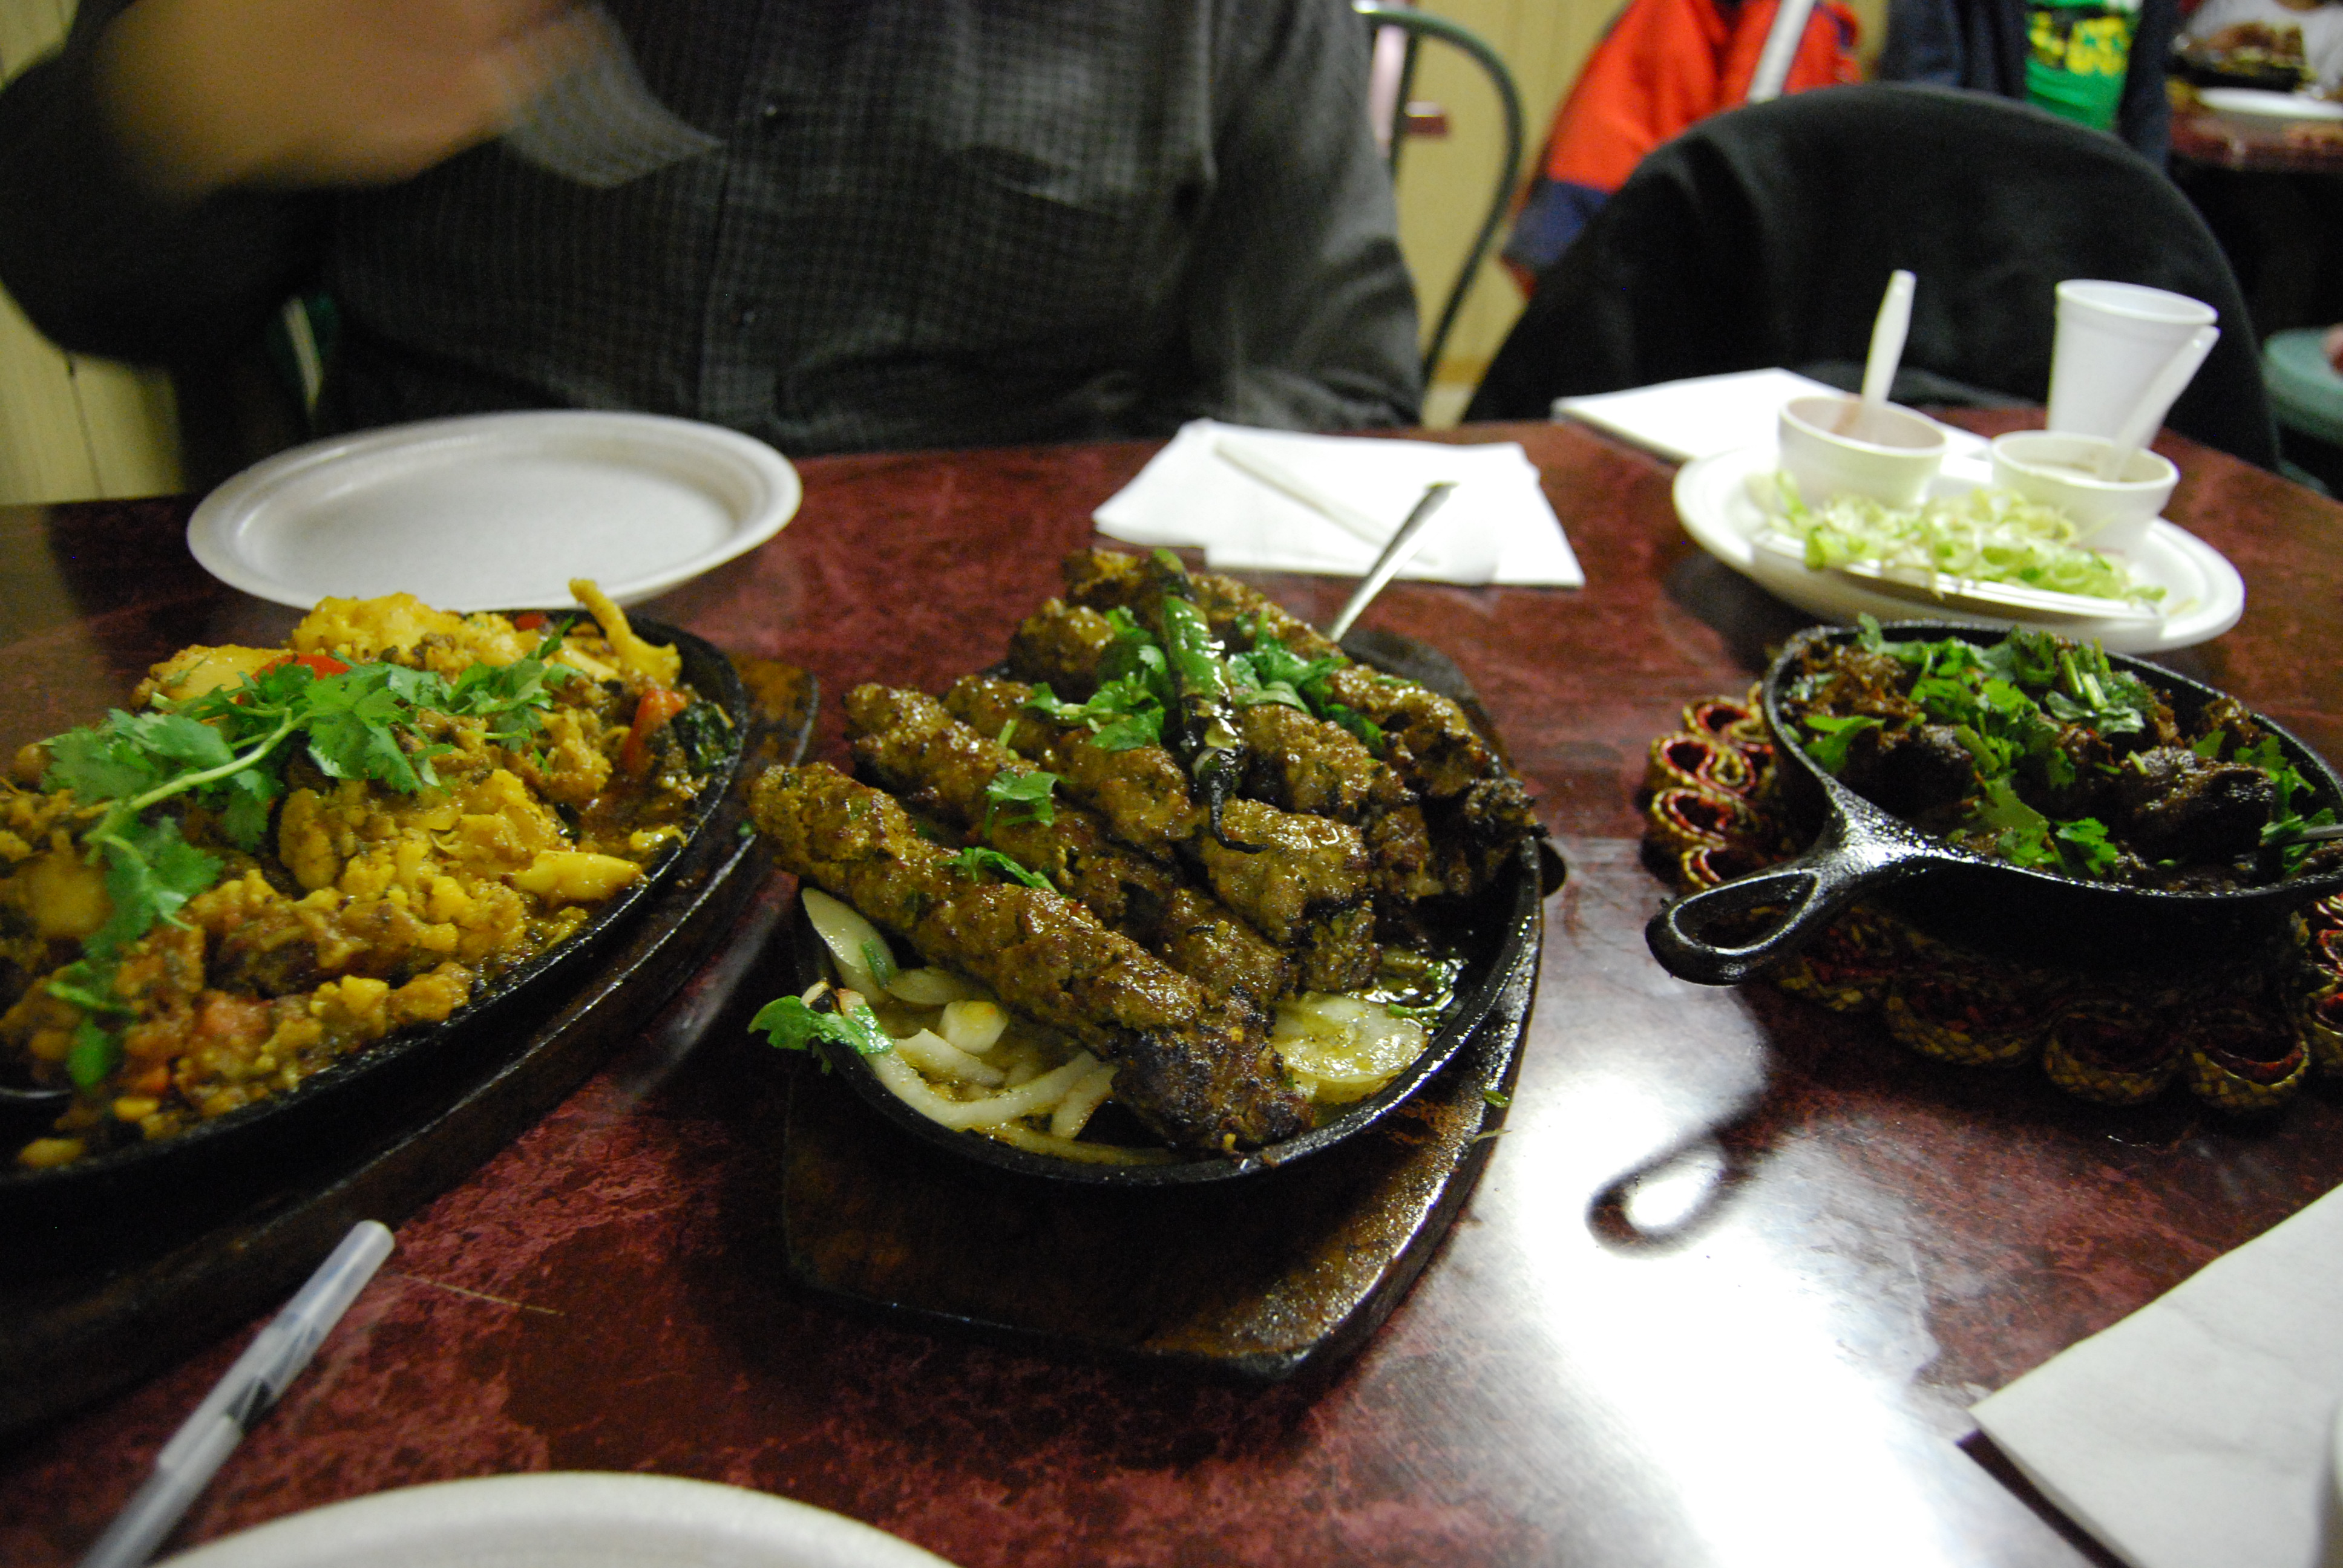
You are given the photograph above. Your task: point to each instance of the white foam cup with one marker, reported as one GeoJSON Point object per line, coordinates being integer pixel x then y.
{"type": "Point", "coordinates": [2111, 337]}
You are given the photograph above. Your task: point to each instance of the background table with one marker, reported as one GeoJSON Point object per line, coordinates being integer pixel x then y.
{"type": "Point", "coordinates": [1735, 1273]}
{"type": "Point", "coordinates": [2272, 191]}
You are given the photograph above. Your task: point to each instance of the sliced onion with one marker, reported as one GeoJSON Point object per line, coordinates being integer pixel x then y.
{"type": "Point", "coordinates": [843, 930]}
{"type": "Point", "coordinates": [973, 1026]}
{"type": "Point", "coordinates": [939, 1057]}
{"type": "Point", "coordinates": [932, 987]}
{"type": "Point", "coordinates": [1081, 1101]}
{"type": "Point", "coordinates": [1038, 1095]}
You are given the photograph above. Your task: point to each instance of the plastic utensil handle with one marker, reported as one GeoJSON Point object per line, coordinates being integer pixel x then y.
{"type": "Point", "coordinates": [1404, 543]}
{"type": "Point", "coordinates": [274, 1359]}
{"type": "Point", "coordinates": [2155, 398]}
{"type": "Point", "coordinates": [1277, 477]}
{"type": "Point", "coordinates": [1887, 334]}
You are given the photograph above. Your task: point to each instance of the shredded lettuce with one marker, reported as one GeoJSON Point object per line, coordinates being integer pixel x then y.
{"type": "Point", "coordinates": [1986, 536]}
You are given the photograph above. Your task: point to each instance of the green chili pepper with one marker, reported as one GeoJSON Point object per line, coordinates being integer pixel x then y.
{"type": "Point", "coordinates": [1207, 743]}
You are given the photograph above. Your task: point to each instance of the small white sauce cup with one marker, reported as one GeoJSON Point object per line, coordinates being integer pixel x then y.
{"type": "Point", "coordinates": [1836, 446]}
{"type": "Point", "coordinates": [2061, 469]}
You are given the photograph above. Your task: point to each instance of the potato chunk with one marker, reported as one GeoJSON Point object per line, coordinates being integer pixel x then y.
{"type": "Point", "coordinates": [576, 877]}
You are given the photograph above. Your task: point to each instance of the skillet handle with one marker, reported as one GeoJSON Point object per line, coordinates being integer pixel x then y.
{"type": "Point", "coordinates": [1844, 864]}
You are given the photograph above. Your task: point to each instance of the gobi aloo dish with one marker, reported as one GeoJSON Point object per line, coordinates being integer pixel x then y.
{"type": "Point", "coordinates": [1187, 859]}
{"type": "Point", "coordinates": [277, 857]}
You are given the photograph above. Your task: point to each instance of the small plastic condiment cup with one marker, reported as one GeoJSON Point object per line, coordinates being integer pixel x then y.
{"type": "Point", "coordinates": [1838, 447]}
{"type": "Point", "coordinates": [2061, 471]}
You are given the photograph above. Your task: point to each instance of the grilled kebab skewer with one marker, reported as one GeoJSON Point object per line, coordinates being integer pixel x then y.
{"type": "Point", "coordinates": [1201, 1073]}
{"type": "Point", "coordinates": [1304, 882]}
{"type": "Point", "coordinates": [910, 744]}
{"type": "Point", "coordinates": [1303, 763]}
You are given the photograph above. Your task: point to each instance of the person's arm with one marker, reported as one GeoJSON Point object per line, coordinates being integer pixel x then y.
{"type": "Point", "coordinates": [148, 173]}
{"type": "Point", "coordinates": [1299, 310]}
{"type": "Point", "coordinates": [103, 265]}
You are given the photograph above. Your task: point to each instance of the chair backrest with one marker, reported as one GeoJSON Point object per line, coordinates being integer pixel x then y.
{"type": "Point", "coordinates": [1763, 237]}
{"type": "Point", "coordinates": [1420, 25]}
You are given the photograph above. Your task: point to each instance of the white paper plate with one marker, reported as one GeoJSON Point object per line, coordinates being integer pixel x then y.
{"type": "Point", "coordinates": [496, 511]}
{"type": "Point", "coordinates": [2269, 105]}
{"type": "Point", "coordinates": [574, 1519]}
{"type": "Point", "coordinates": [2203, 595]}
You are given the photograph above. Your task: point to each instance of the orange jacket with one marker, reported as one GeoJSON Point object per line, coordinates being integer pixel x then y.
{"type": "Point", "coordinates": [1664, 64]}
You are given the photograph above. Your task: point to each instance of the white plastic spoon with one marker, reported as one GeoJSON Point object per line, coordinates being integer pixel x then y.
{"type": "Point", "coordinates": [2156, 399]}
{"type": "Point", "coordinates": [1889, 331]}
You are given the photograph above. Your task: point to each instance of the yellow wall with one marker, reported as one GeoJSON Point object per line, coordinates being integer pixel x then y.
{"type": "Point", "coordinates": [72, 428]}
{"type": "Point", "coordinates": [1445, 184]}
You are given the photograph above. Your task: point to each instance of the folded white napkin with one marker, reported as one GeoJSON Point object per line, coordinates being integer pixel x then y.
{"type": "Point", "coordinates": [1710, 414]}
{"type": "Point", "coordinates": [2195, 1434]}
{"type": "Point", "coordinates": [1273, 500]}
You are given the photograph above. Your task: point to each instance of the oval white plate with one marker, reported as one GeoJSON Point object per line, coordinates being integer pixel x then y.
{"type": "Point", "coordinates": [574, 1519]}
{"type": "Point", "coordinates": [2203, 595]}
{"type": "Point", "coordinates": [2269, 105]}
{"type": "Point", "coordinates": [496, 511]}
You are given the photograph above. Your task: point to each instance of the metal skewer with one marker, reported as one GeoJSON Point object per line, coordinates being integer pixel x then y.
{"type": "Point", "coordinates": [1395, 556]}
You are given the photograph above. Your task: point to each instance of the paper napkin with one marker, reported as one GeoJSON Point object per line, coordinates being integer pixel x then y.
{"type": "Point", "coordinates": [1710, 414]}
{"type": "Point", "coordinates": [1273, 500]}
{"type": "Point", "coordinates": [2195, 1434]}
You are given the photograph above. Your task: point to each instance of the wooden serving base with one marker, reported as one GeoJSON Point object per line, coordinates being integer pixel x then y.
{"type": "Point", "coordinates": [87, 1310]}
{"type": "Point", "coordinates": [1259, 1278]}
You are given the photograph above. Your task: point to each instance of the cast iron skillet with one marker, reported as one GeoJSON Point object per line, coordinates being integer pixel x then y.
{"type": "Point", "coordinates": [332, 1104]}
{"type": "Point", "coordinates": [1505, 921]}
{"type": "Point", "coordinates": [1502, 924]}
{"type": "Point", "coordinates": [1985, 905]}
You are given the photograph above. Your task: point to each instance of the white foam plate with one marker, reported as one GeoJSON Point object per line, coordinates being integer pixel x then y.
{"type": "Point", "coordinates": [2269, 105]}
{"type": "Point", "coordinates": [496, 511]}
{"type": "Point", "coordinates": [2203, 595]}
{"type": "Point", "coordinates": [562, 1520]}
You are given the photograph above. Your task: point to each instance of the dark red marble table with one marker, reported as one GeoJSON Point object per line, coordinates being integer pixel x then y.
{"type": "Point", "coordinates": [1732, 1277]}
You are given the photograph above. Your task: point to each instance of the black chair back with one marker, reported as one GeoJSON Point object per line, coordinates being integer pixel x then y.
{"type": "Point", "coordinates": [1765, 237]}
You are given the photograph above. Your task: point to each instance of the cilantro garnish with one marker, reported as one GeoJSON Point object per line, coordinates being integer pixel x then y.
{"type": "Point", "coordinates": [1121, 714]}
{"type": "Point", "coordinates": [976, 859]}
{"type": "Point", "coordinates": [791, 1023]}
{"type": "Point", "coordinates": [226, 750]}
{"type": "Point", "coordinates": [1835, 736]}
{"type": "Point", "coordinates": [1026, 794]}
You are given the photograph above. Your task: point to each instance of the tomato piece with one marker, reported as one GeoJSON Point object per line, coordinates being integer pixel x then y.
{"type": "Point", "coordinates": [652, 713]}
{"type": "Point", "coordinates": [318, 664]}
{"type": "Point", "coordinates": [527, 620]}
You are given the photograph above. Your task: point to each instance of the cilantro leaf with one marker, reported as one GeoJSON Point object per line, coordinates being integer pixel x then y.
{"type": "Point", "coordinates": [1029, 795]}
{"type": "Point", "coordinates": [1835, 736]}
{"type": "Point", "coordinates": [2087, 839]}
{"type": "Point", "coordinates": [104, 761]}
{"type": "Point", "coordinates": [975, 860]}
{"type": "Point", "coordinates": [150, 872]}
{"type": "Point", "coordinates": [93, 1054]}
{"type": "Point", "coordinates": [791, 1023]}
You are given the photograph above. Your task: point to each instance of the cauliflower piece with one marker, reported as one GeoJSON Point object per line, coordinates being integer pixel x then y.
{"type": "Point", "coordinates": [659, 666]}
